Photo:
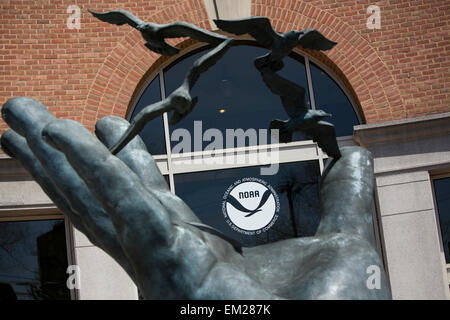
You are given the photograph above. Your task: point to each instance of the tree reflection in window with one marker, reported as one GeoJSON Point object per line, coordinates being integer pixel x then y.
{"type": "Point", "coordinates": [33, 260]}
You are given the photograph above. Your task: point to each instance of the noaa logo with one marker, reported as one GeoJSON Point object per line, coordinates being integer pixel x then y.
{"type": "Point", "coordinates": [250, 206]}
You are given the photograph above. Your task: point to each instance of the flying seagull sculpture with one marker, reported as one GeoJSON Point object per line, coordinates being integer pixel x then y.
{"type": "Point", "coordinates": [301, 118]}
{"type": "Point", "coordinates": [155, 34]}
{"type": "Point", "coordinates": [180, 100]}
{"type": "Point", "coordinates": [280, 44]}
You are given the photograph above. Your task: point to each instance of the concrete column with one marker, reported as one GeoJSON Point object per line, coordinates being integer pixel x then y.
{"type": "Point", "coordinates": [406, 155]}
{"type": "Point", "coordinates": [411, 236]}
{"type": "Point", "coordinates": [101, 277]}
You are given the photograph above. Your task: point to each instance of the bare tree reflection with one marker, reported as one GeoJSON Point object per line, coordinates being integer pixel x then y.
{"type": "Point", "coordinates": [33, 260]}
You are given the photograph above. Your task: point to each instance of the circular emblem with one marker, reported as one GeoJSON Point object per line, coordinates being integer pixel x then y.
{"type": "Point", "coordinates": [250, 206]}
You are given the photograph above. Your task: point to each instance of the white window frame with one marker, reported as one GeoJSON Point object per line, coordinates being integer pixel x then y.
{"type": "Point", "coordinates": [37, 213]}
{"type": "Point", "coordinates": [446, 266]}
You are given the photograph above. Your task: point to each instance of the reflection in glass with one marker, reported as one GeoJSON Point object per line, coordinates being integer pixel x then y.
{"type": "Point", "coordinates": [296, 184]}
{"type": "Point", "coordinates": [153, 132]}
{"type": "Point", "coordinates": [33, 260]}
{"type": "Point", "coordinates": [166, 177]}
{"type": "Point", "coordinates": [442, 194]}
{"type": "Point", "coordinates": [330, 98]}
{"type": "Point", "coordinates": [232, 93]}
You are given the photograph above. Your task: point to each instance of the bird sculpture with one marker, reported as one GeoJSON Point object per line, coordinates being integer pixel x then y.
{"type": "Point", "coordinates": [180, 100]}
{"type": "Point", "coordinates": [280, 44]}
{"type": "Point", "coordinates": [155, 34]}
{"type": "Point", "coordinates": [301, 117]}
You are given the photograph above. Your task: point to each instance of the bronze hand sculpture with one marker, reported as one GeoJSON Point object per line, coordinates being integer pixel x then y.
{"type": "Point", "coordinates": [124, 206]}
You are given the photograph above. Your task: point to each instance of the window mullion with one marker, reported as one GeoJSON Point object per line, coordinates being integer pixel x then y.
{"type": "Point", "coordinates": [167, 133]}
{"type": "Point", "coordinates": [310, 87]}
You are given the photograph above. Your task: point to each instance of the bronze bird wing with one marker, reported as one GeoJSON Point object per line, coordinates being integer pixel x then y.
{"type": "Point", "coordinates": [259, 28]}
{"type": "Point", "coordinates": [313, 39]}
{"type": "Point", "coordinates": [164, 49]}
{"type": "Point", "coordinates": [205, 62]}
{"type": "Point", "coordinates": [325, 135]}
{"type": "Point", "coordinates": [178, 116]}
{"type": "Point", "coordinates": [118, 17]}
{"type": "Point", "coordinates": [292, 95]}
{"type": "Point", "coordinates": [147, 114]}
{"type": "Point", "coordinates": [184, 29]}
{"type": "Point", "coordinates": [198, 67]}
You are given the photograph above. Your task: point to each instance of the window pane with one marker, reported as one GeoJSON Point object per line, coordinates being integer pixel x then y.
{"type": "Point", "coordinates": [442, 193]}
{"type": "Point", "coordinates": [153, 132]}
{"type": "Point", "coordinates": [232, 93]}
{"type": "Point", "coordinates": [296, 185]}
{"type": "Point", "coordinates": [166, 177]}
{"type": "Point", "coordinates": [330, 98]}
{"type": "Point", "coordinates": [33, 260]}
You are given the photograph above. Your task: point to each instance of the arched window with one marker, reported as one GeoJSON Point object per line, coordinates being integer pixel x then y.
{"type": "Point", "coordinates": [231, 96]}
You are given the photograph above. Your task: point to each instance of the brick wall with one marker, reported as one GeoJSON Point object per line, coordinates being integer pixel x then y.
{"type": "Point", "coordinates": [82, 74]}
{"type": "Point", "coordinates": [399, 71]}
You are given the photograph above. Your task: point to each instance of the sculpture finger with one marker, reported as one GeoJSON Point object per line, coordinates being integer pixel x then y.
{"type": "Point", "coordinates": [137, 158]}
{"type": "Point", "coordinates": [346, 193]}
{"type": "Point", "coordinates": [16, 146]}
{"type": "Point", "coordinates": [28, 117]}
{"type": "Point", "coordinates": [139, 218]}
{"type": "Point", "coordinates": [135, 154]}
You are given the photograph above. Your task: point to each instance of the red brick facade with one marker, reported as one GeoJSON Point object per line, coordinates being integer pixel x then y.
{"type": "Point", "coordinates": [398, 71]}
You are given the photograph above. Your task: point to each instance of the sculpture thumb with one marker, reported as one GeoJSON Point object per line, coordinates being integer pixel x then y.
{"type": "Point", "coordinates": [346, 194]}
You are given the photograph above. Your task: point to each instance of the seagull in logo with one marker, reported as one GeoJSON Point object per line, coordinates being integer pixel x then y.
{"type": "Point", "coordinates": [280, 44]}
{"type": "Point", "coordinates": [237, 205]}
{"type": "Point", "coordinates": [155, 34]}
